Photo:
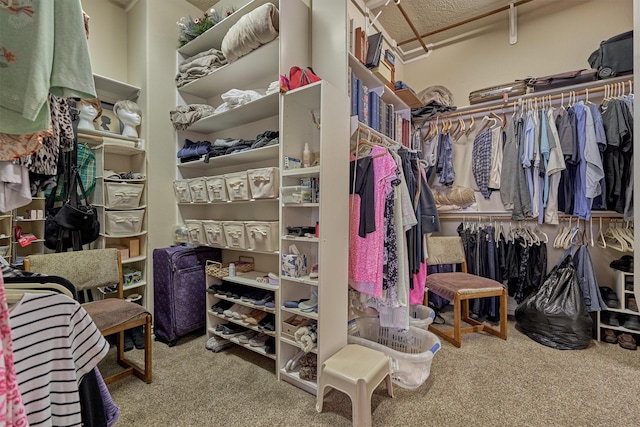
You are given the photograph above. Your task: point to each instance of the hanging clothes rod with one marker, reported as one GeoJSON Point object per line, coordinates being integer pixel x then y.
{"type": "Point", "coordinates": [485, 216]}
{"type": "Point", "coordinates": [546, 95]}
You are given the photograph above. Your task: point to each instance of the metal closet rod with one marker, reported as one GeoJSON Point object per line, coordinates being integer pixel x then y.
{"type": "Point", "coordinates": [419, 37]}
{"type": "Point", "coordinates": [514, 103]}
{"type": "Point", "coordinates": [485, 217]}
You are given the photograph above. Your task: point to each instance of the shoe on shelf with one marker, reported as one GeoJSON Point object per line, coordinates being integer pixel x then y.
{"type": "Point", "coordinates": [312, 303]}
{"type": "Point", "coordinates": [242, 310]}
{"type": "Point", "coordinates": [632, 322]}
{"type": "Point", "coordinates": [258, 340]}
{"type": "Point", "coordinates": [221, 306]}
{"type": "Point", "coordinates": [253, 320]}
{"type": "Point", "coordinates": [231, 310]}
{"type": "Point", "coordinates": [270, 346]}
{"type": "Point", "coordinates": [609, 296]}
{"type": "Point", "coordinates": [627, 341]}
{"type": "Point", "coordinates": [631, 304]}
{"type": "Point", "coordinates": [610, 318]}
{"type": "Point", "coordinates": [253, 312]}
{"type": "Point", "coordinates": [293, 303]}
{"type": "Point", "coordinates": [314, 272]}
{"type": "Point", "coordinates": [244, 338]}
{"type": "Point", "coordinates": [267, 298]}
{"type": "Point", "coordinates": [232, 328]}
{"type": "Point", "coordinates": [610, 336]}
{"type": "Point", "coordinates": [625, 263]}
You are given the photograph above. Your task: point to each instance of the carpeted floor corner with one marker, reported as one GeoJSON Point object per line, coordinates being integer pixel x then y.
{"type": "Point", "coordinates": [487, 382]}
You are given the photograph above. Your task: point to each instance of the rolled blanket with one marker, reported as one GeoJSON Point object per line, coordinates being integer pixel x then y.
{"type": "Point", "coordinates": [254, 29]}
{"type": "Point", "coordinates": [186, 115]}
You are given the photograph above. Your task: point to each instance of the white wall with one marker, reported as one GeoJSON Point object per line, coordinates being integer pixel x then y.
{"type": "Point", "coordinates": [107, 38]}
{"type": "Point", "coordinates": [552, 38]}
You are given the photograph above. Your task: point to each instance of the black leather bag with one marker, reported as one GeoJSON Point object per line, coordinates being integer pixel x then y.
{"type": "Point", "coordinates": [67, 223]}
{"type": "Point", "coordinates": [614, 57]}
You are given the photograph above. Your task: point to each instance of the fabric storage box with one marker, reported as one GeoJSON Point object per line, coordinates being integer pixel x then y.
{"type": "Point", "coordinates": [264, 182]}
{"type": "Point", "coordinates": [237, 185]}
{"type": "Point", "coordinates": [234, 234]}
{"type": "Point", "coordinates": [294, 265]}
{"type": "Point", "coordinates": [214, 233]}
{"type": "Point", "coordinates": [296, 194]}
{"type": "Point", "coordinates": [216, 188]}
{"type": "Point", "coordinates": [198, 190]}
{"type": "Point", "coordinates": [411, 351]}
{"type": "Point", "coordinates": [262, 236]}
{"type": "Point", "coordinates": [182, 191]}
{"type": "Point", "coordinates": [123, 222]}
{"type": "Point", "coordinates": [121, 195]}
{"type": "Point", "coordinates": [196, 233]}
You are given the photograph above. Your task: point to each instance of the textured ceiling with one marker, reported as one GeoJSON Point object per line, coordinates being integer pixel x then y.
{"type": "Point", "coordinates": [428, 16]}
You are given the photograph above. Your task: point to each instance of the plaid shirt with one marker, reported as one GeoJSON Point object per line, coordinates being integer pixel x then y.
{"type": "Point", "coordinates": [481, 165]}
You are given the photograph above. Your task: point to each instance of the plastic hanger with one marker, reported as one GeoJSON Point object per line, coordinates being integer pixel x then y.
{"type": "Point", "coordinates": [600, 241]}
{"type": "Point", "coordinates": [538, 231]}
{"type": "Point", "coordinates": [470, 128]}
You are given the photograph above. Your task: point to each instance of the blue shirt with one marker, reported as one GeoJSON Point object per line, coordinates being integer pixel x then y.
{"type": "Point", "coordinates": [581, 207]}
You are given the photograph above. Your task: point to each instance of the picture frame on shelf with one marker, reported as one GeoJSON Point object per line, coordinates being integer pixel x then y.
{"type": "Point", "coordinates": [108, 121]}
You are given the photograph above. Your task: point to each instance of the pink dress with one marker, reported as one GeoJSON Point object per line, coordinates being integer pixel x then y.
{"type": "Point", "coordinates": [366, 254]}
{"type": "Point", "coordinates": [12, 412]}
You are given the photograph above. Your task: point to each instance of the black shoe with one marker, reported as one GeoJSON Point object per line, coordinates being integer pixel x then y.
{"type": "Point", "coordinates": [128, 341]}
{"type": "Point", "coordinates": [137, 334]}
{"type": "Point", "coordinates": [270, 346]}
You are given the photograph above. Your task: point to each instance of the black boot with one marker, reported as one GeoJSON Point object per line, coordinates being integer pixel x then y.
{"type": "Point", "coordinates": [128, 341]}
{"type": "Point", "coordinates": [137, 334]}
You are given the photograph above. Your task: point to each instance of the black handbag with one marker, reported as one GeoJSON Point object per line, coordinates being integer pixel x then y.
{"type": "Point", "coordinates": [70, 226]}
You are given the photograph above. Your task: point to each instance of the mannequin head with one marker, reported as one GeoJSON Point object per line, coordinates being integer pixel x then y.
{"type": "Point", "coordinates": [130, 115]}
{"type": "Point", "coordinates": [88, 110]}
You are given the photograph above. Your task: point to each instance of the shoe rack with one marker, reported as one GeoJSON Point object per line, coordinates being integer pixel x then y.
{"type": "Point", "coordinates": [623, 286]}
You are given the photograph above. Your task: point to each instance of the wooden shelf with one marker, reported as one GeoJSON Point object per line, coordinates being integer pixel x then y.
{"type": "Point", "coordinates": [295, 344]}
{"type": "Point", "coordinates": [249, 279]}
{"type": "Point", "coordinates": [241, 323]}
{"type": "Point", "coordinates": [373, 83]}
{"type": "Point", "coordinates": [311, 171]}
{"type": "Point", "coordinates": [111, 91]}
{"type": "Point", "coordinates": [134, 259]}
{"type": "Point", "coordinates": [259, 350]}
{"type": "Point", "coordinates": [304, 279]}
{"type": "Point", "coordinates": [294, 377]}
{"type": "Point", "coordinates": [301, 205]}
{"type": "Point", "coordinates": [228, 202]}
{"type": "Point", "coordinates": [245, 303]}
{"type": "Point", "coordinates": [308, 314]}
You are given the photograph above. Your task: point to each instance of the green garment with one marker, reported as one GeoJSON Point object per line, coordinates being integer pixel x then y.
{"type": "Point", "coordinates": [43, 49]}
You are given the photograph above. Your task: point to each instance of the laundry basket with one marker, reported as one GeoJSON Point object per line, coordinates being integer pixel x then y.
{"type": "Point", "coordinates": [421, 316]}
{"type": "Point", "coordinates": [411, 351]}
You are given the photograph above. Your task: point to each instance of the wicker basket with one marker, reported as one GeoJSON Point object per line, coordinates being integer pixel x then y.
{"type": "Point", "coordinates": [244, 264]}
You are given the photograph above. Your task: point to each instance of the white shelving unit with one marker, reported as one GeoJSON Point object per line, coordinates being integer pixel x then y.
{"type": "Point", "coordinates": [118, 153]}
{"type": "Point", "coordinates": [28, 225]}
{"type": "Point", "coordinates": [256, 70]}
{"type": "Point", "coordinates": [6, 231]}
{"type": "Point", "coordinates": [330, 249]}
{"type": "Point", "coordinates": [623, 286]}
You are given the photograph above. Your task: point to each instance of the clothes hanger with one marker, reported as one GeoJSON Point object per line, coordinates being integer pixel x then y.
{"type": "Point", "coordinates": [600, 241]}
{"type": "Point", "coordinates": [539, 231]}
{"type": "Point", "coordinates": [558, 239]}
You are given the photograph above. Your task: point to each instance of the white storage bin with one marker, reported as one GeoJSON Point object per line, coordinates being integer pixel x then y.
{"type": "Point", "coordinates": [196, 232]}
{"type": "Point", "coordinates": [216, 188]}
{"type": "Point", "coordinates": [263, 182]}
{"type": "Point", "coordinates": [214, 233]}
{"type": "Point", "coordinates": [237, 185]}
{"type": "Point", "coordinates": [198, 190]}
{"type": "Point", "coordinates": [182, 191]}
{"type": "Point", "coordinates": [411, 351]}
{"type": "Point", "coordinates": [122, 223]}
{"type": "Point", "coordinates": [121, 195]}
{"type": "Point", "coordinates": [262, 236]}
{"type": "Point", "coordinates": [234, 234]}
{"type": "Point", "coordinates": [296, 194]}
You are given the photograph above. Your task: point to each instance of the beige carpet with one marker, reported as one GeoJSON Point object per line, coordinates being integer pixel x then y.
{"type": "Point", "coordinates": [487, 382]}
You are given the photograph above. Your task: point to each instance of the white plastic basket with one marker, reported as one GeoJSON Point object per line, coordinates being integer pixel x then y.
{"type": "Point", "coordinates": [421, 316]}
{"type": "Point", "coordinates": [411, 351]}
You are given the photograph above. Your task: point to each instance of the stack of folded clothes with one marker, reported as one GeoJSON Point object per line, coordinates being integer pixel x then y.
{"type": "Point", "coordinates": [200, 65]}
{"type": "Point", "coordinates": [193, 150]}
{"type": "Point", "coordinates": [186, 115]}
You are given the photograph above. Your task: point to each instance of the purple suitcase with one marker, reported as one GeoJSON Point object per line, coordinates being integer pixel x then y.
{"type": "Point", "coordinates": [179, 290]}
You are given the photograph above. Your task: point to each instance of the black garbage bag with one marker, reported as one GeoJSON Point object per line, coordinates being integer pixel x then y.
{"type": "Point", "coordinates": [556, 315]}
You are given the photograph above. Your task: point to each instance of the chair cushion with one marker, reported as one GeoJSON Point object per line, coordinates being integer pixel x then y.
{"type": "Point", "coordinates": [111, 312]}
{"type": "Point", "coordinates": [447, 285]}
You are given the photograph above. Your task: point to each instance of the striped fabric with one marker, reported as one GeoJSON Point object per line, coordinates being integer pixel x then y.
{"type": "Point", "coordinates": [55, 344]}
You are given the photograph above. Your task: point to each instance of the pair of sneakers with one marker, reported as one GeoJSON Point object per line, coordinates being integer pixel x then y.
{"type": "Point", "coordinates": [236, 311]}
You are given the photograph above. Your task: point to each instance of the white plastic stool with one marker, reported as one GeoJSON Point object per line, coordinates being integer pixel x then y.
{"type": "Point", "coordinates": [357, 371]}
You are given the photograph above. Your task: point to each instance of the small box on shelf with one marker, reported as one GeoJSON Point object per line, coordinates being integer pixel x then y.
{"type": "Point", "coordinates": [124, 251]}
{"type": "Point", "coordinates": [132, 244]}
{"type": "Point", "coordinates": [131, 276]}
